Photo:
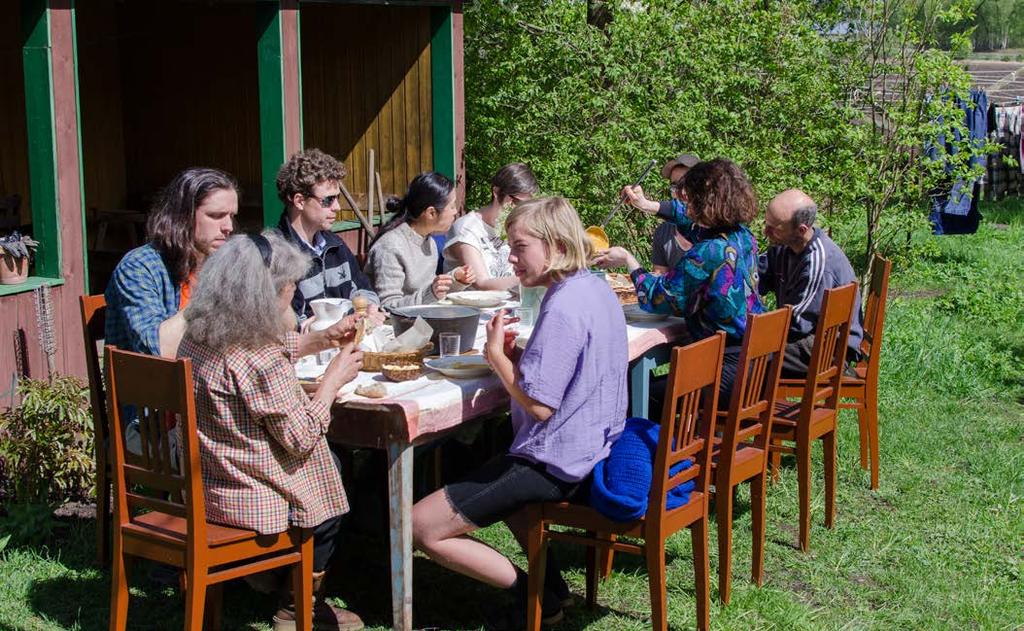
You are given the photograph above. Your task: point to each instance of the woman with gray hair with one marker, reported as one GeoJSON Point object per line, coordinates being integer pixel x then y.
{"type": "Point", "coordinates": [265, 460]}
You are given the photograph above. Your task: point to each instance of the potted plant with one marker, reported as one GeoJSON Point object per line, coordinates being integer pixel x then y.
{"type": "Point", "coordinates": [15, 250]}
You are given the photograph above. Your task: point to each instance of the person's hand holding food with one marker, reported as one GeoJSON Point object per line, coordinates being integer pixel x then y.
{"type": "Point", "coordinates": [615, 256]}
{"type": "Point", "coordinates": [464, 274]}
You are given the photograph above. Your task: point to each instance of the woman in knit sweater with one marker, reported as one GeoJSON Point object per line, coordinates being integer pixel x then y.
{"type": "Point", "coordinates": [403, 256]}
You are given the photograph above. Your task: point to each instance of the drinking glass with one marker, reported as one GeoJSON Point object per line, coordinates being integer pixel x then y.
{"type": "Point", "coordinates": [449, 343]}
{"type": "Point", "coordinates": [526, 317]}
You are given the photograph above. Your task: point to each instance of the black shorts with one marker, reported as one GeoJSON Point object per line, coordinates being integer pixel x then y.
{"type": "Point", "coordinates": [501, 487]}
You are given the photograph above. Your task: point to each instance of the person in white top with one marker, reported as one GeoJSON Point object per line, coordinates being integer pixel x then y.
{"type": "Point", "coordinates": [474, 240]}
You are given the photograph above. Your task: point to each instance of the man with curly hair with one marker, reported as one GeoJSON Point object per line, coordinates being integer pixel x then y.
{"type": "Point", "coordinates": [309, 184]}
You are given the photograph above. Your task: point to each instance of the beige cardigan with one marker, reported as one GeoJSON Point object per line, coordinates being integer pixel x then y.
{"type": "Point", "coordinates": [402, 266]}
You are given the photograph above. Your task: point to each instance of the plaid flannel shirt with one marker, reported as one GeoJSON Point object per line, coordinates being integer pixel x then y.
{"type": "Point", "coordinates": [265, 460]}
{"type": "Point", "coordinates": [139, 297]}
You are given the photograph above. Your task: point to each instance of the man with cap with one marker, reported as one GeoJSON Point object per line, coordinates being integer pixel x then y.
{"type": "Point", "coordinates": [801, 263]}
{"type": "Point", "coordinates": [669, 245]}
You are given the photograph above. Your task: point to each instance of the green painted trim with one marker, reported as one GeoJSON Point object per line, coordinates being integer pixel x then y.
{"type": "Point", "coordinates": [81, 168]}
{"type": "Point", "coordinates": [33, 282]}
{"type": "Point", "coordinates": [442, 80]}
{"type": "Point", "coordinates": [37, 66]}
{"type": "Point", "coordinates": [352, 224]}
{"type": "Point", "coordinates": [271, 91]}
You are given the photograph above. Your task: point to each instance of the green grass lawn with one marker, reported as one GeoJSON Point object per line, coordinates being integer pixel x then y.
{"type": "Point", "coordinates": [939, 546]}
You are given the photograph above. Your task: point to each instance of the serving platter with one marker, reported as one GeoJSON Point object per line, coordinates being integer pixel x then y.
{"type": "Point", "coordinates": [460, 366]}
{"type": "Point", "coordinates": [479, 299]}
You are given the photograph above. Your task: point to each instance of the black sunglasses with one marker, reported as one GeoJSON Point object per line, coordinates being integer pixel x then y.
{"type": "Point", "coordinates": [263, 245]}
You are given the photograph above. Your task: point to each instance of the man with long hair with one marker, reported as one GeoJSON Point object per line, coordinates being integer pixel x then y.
{"type": "Point", "coordinates": [151, 285]}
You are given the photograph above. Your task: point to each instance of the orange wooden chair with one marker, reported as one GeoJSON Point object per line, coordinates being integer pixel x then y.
{"type": "Point", "coordinates": [94, 318]}
{"type": "Point", "coordinates": [175, 531]}
{"type": "Point", "coordinates": [741, 454]}
{"type": "Point", "coordinates": [814, 416]}
{"type": "Point", "coordinates": [862, 389]}
{"type": "Point", "coordinates": [686, 429]}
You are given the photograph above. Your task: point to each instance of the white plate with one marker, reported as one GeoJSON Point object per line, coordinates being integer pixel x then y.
{"type": "Point", "coordinates": [479, 298]}
{"type": "Point", "coordinates": [460, 366]}
{"type": "Point", "coordinates": [635, 314]}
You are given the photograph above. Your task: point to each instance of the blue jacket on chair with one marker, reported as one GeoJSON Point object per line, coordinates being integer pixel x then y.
{"type": "Point", "coordinates": [622, 482]}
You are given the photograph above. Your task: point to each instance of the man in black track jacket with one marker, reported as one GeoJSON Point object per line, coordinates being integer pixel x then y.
{"type": "Point", "coordinates": [800, 265]}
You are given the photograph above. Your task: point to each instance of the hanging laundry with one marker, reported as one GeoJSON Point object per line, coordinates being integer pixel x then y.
{"type": "Point", "coordinates": [954, 207]}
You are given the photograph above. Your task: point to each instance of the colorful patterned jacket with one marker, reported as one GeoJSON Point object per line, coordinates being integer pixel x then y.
{"type": "Point", "coordinates": [714, 285]}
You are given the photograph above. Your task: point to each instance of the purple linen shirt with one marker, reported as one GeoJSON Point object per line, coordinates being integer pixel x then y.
{"type": "Point", "coordinates": [575, 363]}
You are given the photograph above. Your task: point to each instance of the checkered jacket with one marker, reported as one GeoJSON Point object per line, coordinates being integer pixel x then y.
{"type": "Point", "coordinates": [264, 455]}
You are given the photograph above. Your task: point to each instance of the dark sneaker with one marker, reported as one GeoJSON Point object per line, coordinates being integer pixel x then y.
{"type": "Point", "coordinates": [513, 617]}
{"type": "Point", "coordinates": [325, 617]}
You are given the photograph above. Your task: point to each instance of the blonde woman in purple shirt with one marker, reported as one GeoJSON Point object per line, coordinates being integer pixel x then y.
{"type": "Point", "coordinates": [568, 391]}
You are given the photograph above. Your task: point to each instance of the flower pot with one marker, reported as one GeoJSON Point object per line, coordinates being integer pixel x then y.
{"type": "Point", "coordinates": [13, 271]}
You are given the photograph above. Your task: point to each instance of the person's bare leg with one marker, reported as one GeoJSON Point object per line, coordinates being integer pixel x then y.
{"type": "Point", "coordinates": [441, 532]}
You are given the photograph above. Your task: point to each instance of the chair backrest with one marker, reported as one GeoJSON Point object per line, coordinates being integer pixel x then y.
{"type": "Point", "coordinates": [687, 420]}
{"type": "Point", "coordinates": [828, 354]}
{"type": "Point", "coordinates": [757, 377]}
{"type": "Point", "coordinates": [94, 319]}
{"type": "Point", "coordinates": [874, 309]}
{"type": "Point", "coordinates": [154, 389]}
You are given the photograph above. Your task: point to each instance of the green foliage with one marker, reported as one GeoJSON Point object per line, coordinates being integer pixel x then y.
{"type": "Point", "coordinates": [826, 97]}
{"type": "Point", "coordinates": [46, 442]}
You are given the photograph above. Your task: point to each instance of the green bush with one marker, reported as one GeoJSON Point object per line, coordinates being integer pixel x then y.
{"type": "Point", "coordinates": [46, 443]}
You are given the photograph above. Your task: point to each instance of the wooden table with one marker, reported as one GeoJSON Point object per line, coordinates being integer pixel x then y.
{"type": "Point", "coordinates": [424, 410]}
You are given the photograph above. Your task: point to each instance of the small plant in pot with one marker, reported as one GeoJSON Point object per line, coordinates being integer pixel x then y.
{"type": "Point", "coordinates": [15, 249]}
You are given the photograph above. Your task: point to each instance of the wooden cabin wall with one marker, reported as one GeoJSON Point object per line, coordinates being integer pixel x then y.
{"type": "Point", "coordinates": [366, 85]}
{"type": "Point", "coordinates": [99, 86]}
{"type": "Point", "coordinates": [13, 135]}
{"type": "Point", "coordinates": [190, 95]}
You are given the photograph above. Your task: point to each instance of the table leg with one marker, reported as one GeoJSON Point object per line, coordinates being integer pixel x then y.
{"type": "Point", "coordinates": [640, 380]}
{"type": "Point", "coordinates": [400, 526]}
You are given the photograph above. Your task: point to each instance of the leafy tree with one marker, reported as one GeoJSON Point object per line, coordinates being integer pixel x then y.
{"type": "Point", "coordinates": [587, 92]}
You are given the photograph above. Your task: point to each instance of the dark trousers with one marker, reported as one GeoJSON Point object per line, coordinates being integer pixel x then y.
{"type": "Point", "coordinates": [325, 535]}
{"type": "Point", "coordinates": [730, 367]}
{"type": "Point", "coordinates": [796, 362]}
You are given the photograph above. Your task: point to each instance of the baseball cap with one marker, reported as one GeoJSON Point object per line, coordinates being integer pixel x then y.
{"type": "Point", "coordinates": [687, 160]}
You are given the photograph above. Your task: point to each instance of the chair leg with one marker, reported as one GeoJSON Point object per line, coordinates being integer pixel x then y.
{"type": "Point", "coordinates": [214, 607]}
{"type": "Point", "coordinates": [803, 468]}
{"type": "Point", "coordinates": [302, 584]}
{"type": "Point", "coordinates": [537, 553]}
{"type": "Point", "coordinates": [829, 456]}
{"type": "Point", "coordinates": [195, 598]}
{"type": "Point", "coordinates": [654, 550]}
{"type": "Point", "coordinates": [103, 518]}
{"type": "Point", "coordinates": [776, 458]}
{"type": "Point", "coordinates": [592, 573]}
{"type": "Point", "coordinates": [757, 519]}
{"type": "Point", "coordinates": [701, 570]}
{"type": "Point", "coordinates": [605, 557]}
{"type": "Point", "coordinates": [723, 516]}
{"type": "Point", "coordinates": [118, 589]}
{"type": "Point", "coordinates": [864, 436]}
{"type": "Point", "coordinates": [871, 410]}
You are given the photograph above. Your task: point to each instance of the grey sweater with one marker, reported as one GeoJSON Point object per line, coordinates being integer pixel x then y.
{"type": "Point", "coordinates": [401, 267]}
{"type": "Point", "coordinates": [800, 280]}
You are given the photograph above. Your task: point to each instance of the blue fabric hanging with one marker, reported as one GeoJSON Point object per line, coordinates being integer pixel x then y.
{"type": "Point", "coordinates": [956, 211]}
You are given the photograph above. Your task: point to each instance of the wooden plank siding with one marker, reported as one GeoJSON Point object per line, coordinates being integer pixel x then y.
{"type": "Point", "coordinates": [189, 99]}
{"type": "Point", "coordinates": [366, 85]}
{"type": "Point", "coordinates": [17, 312]}
{"type": "Point", "coordinates": [14, 177]}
